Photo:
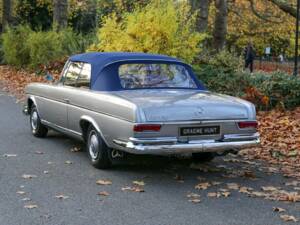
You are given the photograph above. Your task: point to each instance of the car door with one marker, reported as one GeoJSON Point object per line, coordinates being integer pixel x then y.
{"type": "Point", "coordinates": [77, 105]}
{"type": "Point", "coordinates": [56, 106]}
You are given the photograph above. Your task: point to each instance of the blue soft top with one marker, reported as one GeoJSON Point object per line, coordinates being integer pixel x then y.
{"type": "Point", "coordinates": [100, 60]}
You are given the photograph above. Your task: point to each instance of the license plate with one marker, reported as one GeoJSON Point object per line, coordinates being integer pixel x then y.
{"type": "Point", "coordinates": [193, 131]}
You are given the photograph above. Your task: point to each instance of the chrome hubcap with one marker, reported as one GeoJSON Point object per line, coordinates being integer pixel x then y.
{"type": "Point", "coordinates": [34, 120]}
{"type": "Point", "coordinates": [93, 145]}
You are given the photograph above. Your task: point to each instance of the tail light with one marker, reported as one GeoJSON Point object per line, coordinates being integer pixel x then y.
{"type": "Point", "coordinates": [247, 124]}
{"type": "Point", "coordinates": [146, 127]}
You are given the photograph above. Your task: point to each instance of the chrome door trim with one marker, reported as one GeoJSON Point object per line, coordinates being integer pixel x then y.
{"type": "Point", "coordinates": [66, 130]}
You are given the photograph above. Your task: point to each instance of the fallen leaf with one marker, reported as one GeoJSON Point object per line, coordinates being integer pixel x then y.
{"type": "Point", "coordinates": [30, 206]}
{"type": "Point", "coordinates": [75, 149]}
{"type": "Point", "coordinates": [288, 218]}
{"type": "Point", "coordinates": [245, 190]}
{"type": "Point", "coordinates": [139, 183]}
{"type": "Point", "coordinates": [133, 189]}
{"type": "Point", "coordinates": [233, 186]}
{"type": "Point", "coordinates": [103, 193]}
{"type": "Point", "coordinates": [269, 188]}
{"type": "Point", "coordinates": [193, 195]}
{"type": "Point", "coordinates": [202, 186]}
{"type": "Point", "coordinates": [28, 176]}
{"type": "Point", "coordinates": [215, 183]}
{"type": "Point", "coordinates": [39, 152]}
{"type": "Point", "coordinates": [213, 194]}
{"type": "Point", "coordinates": [226, 194]}
{"type": "Point", "coordinates": [103, 182]}
{"type": "Point", "coordinates": [278, 209]}
{"type": "Point", "coordinates": [195, 200]}
{"type": "Point", "coordinates": [61, 196]}
{"type": "Point", "coordinates": [292, 183]}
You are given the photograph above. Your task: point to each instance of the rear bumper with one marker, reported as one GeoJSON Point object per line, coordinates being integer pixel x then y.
{"type": "Point", "coordinates": [167, 146]}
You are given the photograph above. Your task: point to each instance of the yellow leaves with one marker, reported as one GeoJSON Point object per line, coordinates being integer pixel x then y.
{"type": "Point", "coordinates": [160, 27]}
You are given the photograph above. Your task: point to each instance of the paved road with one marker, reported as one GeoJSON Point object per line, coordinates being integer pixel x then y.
{"type": "Point", "coordinates": [164, 201]}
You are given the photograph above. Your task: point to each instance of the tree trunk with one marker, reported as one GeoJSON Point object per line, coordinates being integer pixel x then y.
{"type": "Point", "coordinates": [285, 7]}
{"type": "Point", "coordinates": [203, 11]}
{"type": "Point", "coordinates": [6, 13]}
{"type": "Point", "coordinates": [60, 13]}
{"type": "Point", "coordinates": [220, 25]}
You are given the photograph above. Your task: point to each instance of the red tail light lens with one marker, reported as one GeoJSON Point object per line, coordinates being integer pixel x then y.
{"type": "Point", "coordinates": [247, 124]}
{"type": "Point", "coordinates": [146, 127]}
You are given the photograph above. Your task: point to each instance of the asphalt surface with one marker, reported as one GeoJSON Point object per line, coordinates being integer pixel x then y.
{"type": "Point", "coordinates": [164, 201]}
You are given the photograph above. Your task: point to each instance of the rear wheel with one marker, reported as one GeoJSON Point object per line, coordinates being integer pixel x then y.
{"type": "Point", "coordinates": [37, 128]}
{"type": "Point", "coordinates": [97, 150]}
{"type": "Point", "coordinates": [203, 156]}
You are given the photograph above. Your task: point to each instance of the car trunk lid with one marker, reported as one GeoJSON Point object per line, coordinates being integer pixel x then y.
{"type": "Point", "coordinates": [185, 105]}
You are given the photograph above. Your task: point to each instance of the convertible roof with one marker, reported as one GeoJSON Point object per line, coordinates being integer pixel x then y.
{"type": "Point", "coordinates": [101, 59]}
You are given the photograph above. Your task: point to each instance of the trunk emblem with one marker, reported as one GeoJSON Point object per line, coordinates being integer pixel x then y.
{"type": "Point", "coordinates": [200, 110]}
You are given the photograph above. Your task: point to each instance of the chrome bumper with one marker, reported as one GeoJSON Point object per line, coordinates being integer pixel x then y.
{"type": "Point", "coordinates": [170, 145]}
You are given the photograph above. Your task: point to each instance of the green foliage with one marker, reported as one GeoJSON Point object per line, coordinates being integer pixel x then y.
{"type": "Point", "coordinates": [15, 51]}
{"type": "Point", "coordinates": [266, 90]}
{"type": "Point", "coordinates": [282, 89]}
{"type": "Point", "coordinates": [23, 47]}
{"type": "Point", "coordinates": [36, 13]}
{"type": "Point", "coordinates": [160, 27]}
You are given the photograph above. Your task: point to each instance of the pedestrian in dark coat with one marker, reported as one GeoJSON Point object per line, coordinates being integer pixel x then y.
{"type": "Point", "coordinates": [249, 55]}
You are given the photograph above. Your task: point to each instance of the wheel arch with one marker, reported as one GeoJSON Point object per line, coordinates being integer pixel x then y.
{"type": "Point", "coordinates": [85, 122]}
{"type": "Point", "coordinates": [30, 102]}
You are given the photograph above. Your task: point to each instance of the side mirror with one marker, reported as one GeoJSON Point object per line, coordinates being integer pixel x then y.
{"type": "Point", "coordinates": [49, 76]}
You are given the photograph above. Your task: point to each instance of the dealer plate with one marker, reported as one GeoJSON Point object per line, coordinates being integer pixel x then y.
{"type": "Point", "coordinates": [196, 131]}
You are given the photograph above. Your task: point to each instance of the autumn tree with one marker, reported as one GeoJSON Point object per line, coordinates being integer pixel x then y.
{"type": "Point", "coordinates": [60, 13]}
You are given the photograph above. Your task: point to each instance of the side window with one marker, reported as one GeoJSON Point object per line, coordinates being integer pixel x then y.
{"type": "Point", "coordinates": [85, 76]}
{"type": "Point", "coordinates": [72, 73]}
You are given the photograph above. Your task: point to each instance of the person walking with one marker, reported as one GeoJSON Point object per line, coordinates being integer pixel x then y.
{"type": "Point", "coordinates": [249, 57]}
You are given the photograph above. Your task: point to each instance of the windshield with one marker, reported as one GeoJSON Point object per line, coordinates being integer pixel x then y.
{"type": "Point", "coordinates": [134, 76]}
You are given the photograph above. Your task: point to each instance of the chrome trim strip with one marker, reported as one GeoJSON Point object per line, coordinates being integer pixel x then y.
{"type": "Point", "coordinates": [237, 137]}
{"type": "Point", "coordinates": [94, 123]}
{"type": "Point", "coordinates": [80, 107]}
{"type": "Point", "coordinates": [153, 140]}
{"type": "Point", "coordinates": [47, 123]}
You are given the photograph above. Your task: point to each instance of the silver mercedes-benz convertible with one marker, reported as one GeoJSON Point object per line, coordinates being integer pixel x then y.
{"type": "Point", "coordinates": [120, 103]}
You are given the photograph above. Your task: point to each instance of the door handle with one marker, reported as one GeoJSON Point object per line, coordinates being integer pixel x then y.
{"type": "Point", "coordinates": [66, 100]}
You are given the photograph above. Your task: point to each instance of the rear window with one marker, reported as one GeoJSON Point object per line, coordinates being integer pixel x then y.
{"type": "Point", "coordinates": [133, 76]}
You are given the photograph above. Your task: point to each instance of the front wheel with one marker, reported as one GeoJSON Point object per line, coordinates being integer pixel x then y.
{"type": "Point", "coordinates": [37, 128]}
{"type": "Point", "coordinates": [97, 150]}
